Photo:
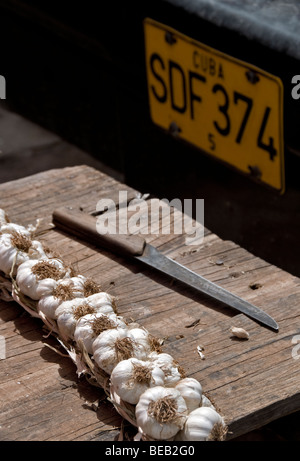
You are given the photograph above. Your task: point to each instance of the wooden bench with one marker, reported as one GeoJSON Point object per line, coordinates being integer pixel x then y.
{"type": "Point", "coordinates": [252, 382]}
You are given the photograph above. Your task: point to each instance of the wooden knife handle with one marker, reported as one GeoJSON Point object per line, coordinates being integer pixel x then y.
{"type": "Point", "coordinates": [83, 225]}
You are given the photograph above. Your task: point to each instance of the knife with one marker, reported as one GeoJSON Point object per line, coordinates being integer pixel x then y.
{"type": "Point", "coordinates": [83, 225]}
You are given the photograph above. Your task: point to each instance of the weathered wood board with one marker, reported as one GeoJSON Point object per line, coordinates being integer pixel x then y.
{"type": "Point", "coordinates": [251, 382]}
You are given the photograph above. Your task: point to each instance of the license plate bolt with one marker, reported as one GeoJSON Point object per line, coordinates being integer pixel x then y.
{"type": "Point", "coordinates": [255, 171]}
{"type": "Point", "coordinates": [170, 38]}
{"type": "Point", "coordinates": [174, 129]}
{"type": "Point", "coordinates": [252, 76]}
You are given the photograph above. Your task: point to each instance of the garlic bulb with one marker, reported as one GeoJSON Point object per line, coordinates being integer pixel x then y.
{"type": "Point", "coordinates": [191, 391]}
{"type": "Point", "coordinates": [161, 412]}
{"type": "Point", "coordinates": [201, 425]}
{"type": "Point", "coordinates": [69, 312]}
{"type": "Point", "coordinates": [31, 273]}
{"type": "Point", "coordinates": [90, 326]}
{"type": "Point", "coordinates": [16, 249]}
{"type": "Point", "coordinates": [55, 292]}
{"type": "Point", "coordinates": [172, 370]}
{"type": "Point", "coordinates": [112, 346]}
{"type": "Point", "coordinates": [130, 378]}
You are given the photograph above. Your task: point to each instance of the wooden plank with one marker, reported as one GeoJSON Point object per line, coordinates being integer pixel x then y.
{"type": "Point", "coordinates": [252, 382]}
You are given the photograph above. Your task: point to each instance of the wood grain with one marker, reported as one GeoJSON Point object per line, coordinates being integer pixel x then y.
{"type": "Point", "coordinates": [251, 382]}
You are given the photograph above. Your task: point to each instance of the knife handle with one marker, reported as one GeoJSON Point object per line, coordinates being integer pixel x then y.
{"type": "Point", "coordinates": [83, 225]}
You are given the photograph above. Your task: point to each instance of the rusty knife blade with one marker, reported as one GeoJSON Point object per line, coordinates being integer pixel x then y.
{"type": "Point", "coordinates": [152, 257]}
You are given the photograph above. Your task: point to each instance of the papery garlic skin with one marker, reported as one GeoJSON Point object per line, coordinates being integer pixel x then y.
{"type": "Point", "coordinates": [29, 283]}
{"type": "Point", "coordinates": [105, 348]}
{"type": "Point", "coordinates": [129, 385]}
{"type": "Point", "coordinates": [3, 218]}
{"type": "Point", "coordinates": [171, 369]}
{"type": "Point", "coordinates": [85, 333]}
{"type": "Point", "coordinates": [205, 402]}
{"type": "Point", "coordinates": [49, 301]}
{"type": "Point", "coordinates": [191, 391]}
{"type": "Point", "coordinates": [11, 257]}
{"type": "Point", "coordinates": [149, 424]}
{"type": "Point", "coordinates": [200, 424]}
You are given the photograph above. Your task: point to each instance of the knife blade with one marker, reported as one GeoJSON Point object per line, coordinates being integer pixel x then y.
{"type": "Point", "coordinates": [83, 225]}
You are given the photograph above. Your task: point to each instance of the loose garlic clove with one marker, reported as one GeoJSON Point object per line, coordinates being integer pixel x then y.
{"type": "Point", "coordinates": [90, 326]}
{"type": "Point", "coordinates": [201, 425]}
{"type": "Point", "coordinates": [161, 412]}
{"type": "Point", "coordinates": [130, 378]}
{"type": "Point", "coordinates": [240, 332]}
{"type": "Point", "coordinates": [191, 391]}
{"type": "Point", "coordinates": [32, 272]}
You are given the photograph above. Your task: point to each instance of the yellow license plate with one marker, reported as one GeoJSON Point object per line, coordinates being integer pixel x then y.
{"type": "Point", "coordinates": [225, 107]}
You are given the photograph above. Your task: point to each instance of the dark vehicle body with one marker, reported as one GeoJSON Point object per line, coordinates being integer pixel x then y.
{"type": "Point", "coordinates": [79, 70]}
